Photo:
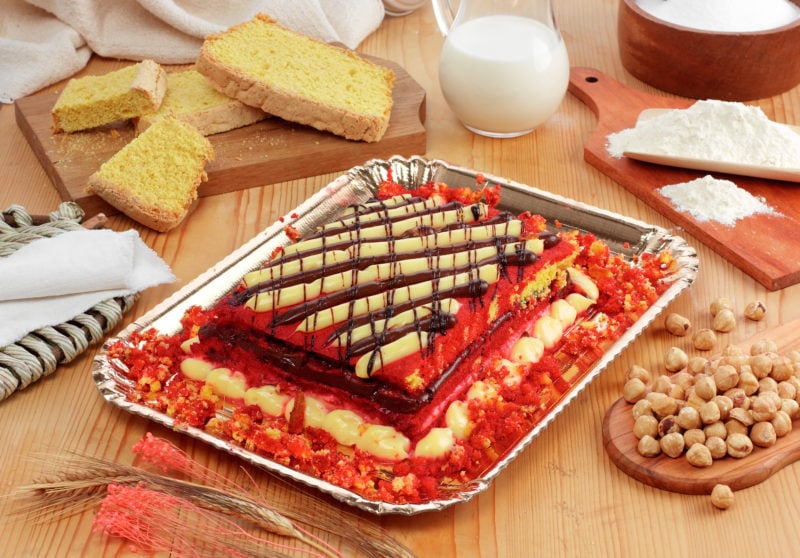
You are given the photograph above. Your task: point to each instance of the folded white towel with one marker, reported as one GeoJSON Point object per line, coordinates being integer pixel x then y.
{"type": "Point", "coordinates": [52, 280]}
{"type": "Point", "coordinates": [36, 49]}
{"type": "Point", "coordinates": [42, 45]}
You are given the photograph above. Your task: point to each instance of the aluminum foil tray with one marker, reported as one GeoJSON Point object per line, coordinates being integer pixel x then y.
{"type": "Point", "coordinates": [624, 236]}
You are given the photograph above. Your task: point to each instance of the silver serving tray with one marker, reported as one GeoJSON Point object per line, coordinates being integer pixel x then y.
{"type": "Point", "coordinates": [624, 236]}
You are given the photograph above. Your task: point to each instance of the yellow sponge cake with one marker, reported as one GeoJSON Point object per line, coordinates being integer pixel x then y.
{"type": "Point", "coordinates": [92, 101]}
{"type": "Point", "coordinates": [154, 178]}
{"type": "Point", "coordinates": [190, 98]}
{"type": "Point", "coordinates": [299, 79]}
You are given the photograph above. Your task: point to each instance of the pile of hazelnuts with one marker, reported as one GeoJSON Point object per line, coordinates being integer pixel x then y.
{"type": "Point", "coordinates": [705, 409]}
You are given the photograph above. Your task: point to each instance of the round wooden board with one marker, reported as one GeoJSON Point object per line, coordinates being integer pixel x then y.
{"type": "Point", "coordinates": [676, 474]}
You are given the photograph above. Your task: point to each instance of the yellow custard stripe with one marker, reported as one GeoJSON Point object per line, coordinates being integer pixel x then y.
{"type": "Point", "coordinates": [295, 294]}
{"type": "Point", "coordinates": [437, 220]}
{"type": "Point", "coordinates": [340, 313]}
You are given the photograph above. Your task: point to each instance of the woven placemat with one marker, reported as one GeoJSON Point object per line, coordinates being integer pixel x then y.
{"type": "Point", "coordinates": [39, 353]}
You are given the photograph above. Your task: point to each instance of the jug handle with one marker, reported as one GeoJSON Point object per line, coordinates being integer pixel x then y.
{"type": "Point", "coordinates": [444, 14]}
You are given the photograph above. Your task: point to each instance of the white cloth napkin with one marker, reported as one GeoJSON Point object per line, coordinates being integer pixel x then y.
{"type": "Point", "coordinates": [52, 280]}
{"type": "Point", "coordinates": [44, 41]}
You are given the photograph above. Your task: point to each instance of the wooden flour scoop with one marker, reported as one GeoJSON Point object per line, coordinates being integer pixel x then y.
{"type": "Point", "coordinates": [708, 165]}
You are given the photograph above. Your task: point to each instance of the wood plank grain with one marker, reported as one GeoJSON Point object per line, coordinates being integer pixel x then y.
{"type": "Point", "coordinates": [757, 244]}
{"type": "Point", "coordinates": [676, 474]}
{"type": "Point", "coordinates": [263, 153]}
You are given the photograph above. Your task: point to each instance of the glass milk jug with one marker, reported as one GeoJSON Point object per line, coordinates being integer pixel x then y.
{"type": "Point", "coordinates": [504, 68]}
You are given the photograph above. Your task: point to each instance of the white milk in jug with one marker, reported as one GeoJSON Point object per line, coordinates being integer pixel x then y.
{"type": "Point", "coordinates": [503, 75]}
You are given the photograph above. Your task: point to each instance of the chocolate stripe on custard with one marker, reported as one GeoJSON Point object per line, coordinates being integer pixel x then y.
{"type": "Point", "coordinates": [386, 214]}
{"type": "Point", "coordinates": [437, 322]}
{"type": "Point", "coordinates": [501, 251]}
{"type": "Point", "coordinates": [374, 204]}
{"type": "Point", "coordinates": [471, 288]}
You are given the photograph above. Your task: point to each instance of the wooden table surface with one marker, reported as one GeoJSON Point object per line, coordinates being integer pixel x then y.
{"type": "Point", "coordinates": [562, 496]}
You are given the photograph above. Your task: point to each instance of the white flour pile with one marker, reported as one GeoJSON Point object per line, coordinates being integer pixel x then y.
{"type": "Point", "coordinates": [713, 130]}
{"type": "Point", "coordinates": [723, 15]}
{"type": "Point", "coordinates": [712, 199]}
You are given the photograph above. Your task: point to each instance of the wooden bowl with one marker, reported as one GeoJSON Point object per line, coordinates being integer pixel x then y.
{"type": "Point", "coordinates": [708, 64]}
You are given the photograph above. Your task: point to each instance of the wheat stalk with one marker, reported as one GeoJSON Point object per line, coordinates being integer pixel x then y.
{"type": "Point", "coordinates": [83, 482]}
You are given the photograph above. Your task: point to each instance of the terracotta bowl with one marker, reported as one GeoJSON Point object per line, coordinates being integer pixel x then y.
{"type": "Point", "coordinates": [708, 64]}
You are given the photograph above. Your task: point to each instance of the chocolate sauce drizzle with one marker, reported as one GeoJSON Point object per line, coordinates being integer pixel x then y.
{"type": "Point", "coordinates": [306, 363]}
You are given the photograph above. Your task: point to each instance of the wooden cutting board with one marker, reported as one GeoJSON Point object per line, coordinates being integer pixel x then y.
{"type": "Point", "coordinates": [267, 152]}
{"type": "Point", "coordinates": [677, 475]}
{"type": "Point", "coordinates": [763, 246]}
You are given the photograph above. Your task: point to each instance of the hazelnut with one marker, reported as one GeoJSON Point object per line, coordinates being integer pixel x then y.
{"type": "Point", "coordinates": [640, 372]}
{"type": "Point", "coordinates": [705, 387]}
{"type": "Point", "coordinates": [677, 391]}
{"type": "Point", "coordinates": [782, 368]}
{"type": "Point", "coordinates": [782, 423]}
{"type": "Point", "coordinates": [716, 430]}
{"type": "Point", "coordinates": [724, 321]}
{"type": "Point", "coordinates": [734, 426]}
{"type": "Point", "coordinates": [696, 365]}
{"type": "Point", "coordinates": [721, 303]}
{"type": "Point", "coordinates": [755, 311]}
{"type": "Point", "coordinates": [662, 384]}
{"type": "Point", "coordinates": [740, 415]}
{"type": "Point", "coordinates": [722, 496]}
{"type": "Point", "coordinates": [726, 377]}
{"type": "Point", "coordinates": [709, 412]}
{"type": "Point", "coordinates": [699, 456]}
{"type": "Point", "coordinates": [739, 445]}
{"type": "Point", "coordinates": [648, 447]}
{"type": "Point", "coordinates": [787, 390]}
{"type": "Point", "coordinates": [704, 339]}
{"type": "Point", "coordinates": [675, 359]}
{"type": "Point", "coordinates": [645, 426]}
{"type": "Point", "coordinates": [767, 385]}
{"type": "Point", "coordinates": [763, 408]}
{"type": "Point", "coordinates": [642, 408]}
{"type": "Point", "coordinates": [761, 365]}
{"type": "Point", "coordinates": [677, 324]}
{"type": "Point", "coordinates": [688, 418]}
{"type": "Point", "coordinates": [717, 447]}
{"type": "Point", "coordinates": [725, 405]}
{"type": "Point", "coordinates": [748, 382]}
{"type": "Point", "coordinates": [694, 436]}
{"type": "Point", "coordinates": [667, 425]}
{"type": "Point", "coordinates": [634, 390]}
{"type": "Point", "coordinates": [672, 444]}
{"type": "Point", "coordinates": [663, 406]}
{"type": "Point", "coordinates": [791, 407]}
{"type": "Point", "coordinates": [763, 434]}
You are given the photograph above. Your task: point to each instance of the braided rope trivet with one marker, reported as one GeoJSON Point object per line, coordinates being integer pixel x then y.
{"type": "Point", "coordinates": [40, 352]}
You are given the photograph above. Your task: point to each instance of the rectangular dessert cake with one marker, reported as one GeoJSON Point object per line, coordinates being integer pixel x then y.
{"type": "Point", "coordinates": [401, 349]}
